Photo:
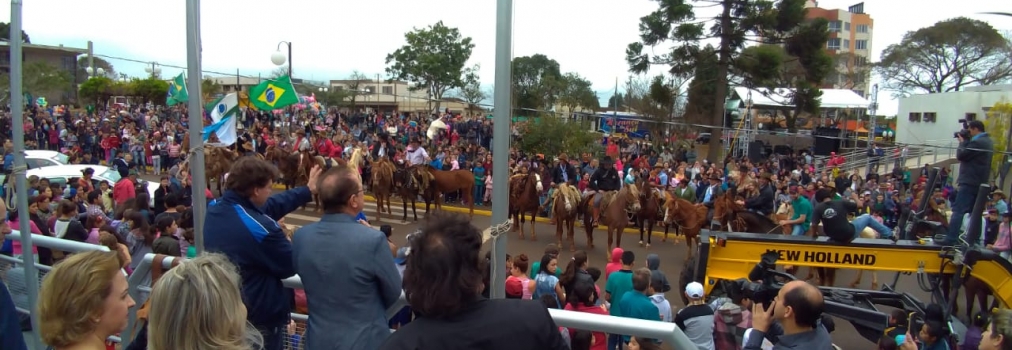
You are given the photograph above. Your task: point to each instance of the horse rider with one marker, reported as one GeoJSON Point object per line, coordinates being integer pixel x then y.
{"type": "Point", "coordinates": [710, 194]}
{"type": "Point", "coordinates": [301, 144]}
{"type": "Point", "coordinates": [382, 148]}
{"type": "Point", "coordinates": [655, 180]}
{"type": "Point", "coordinates": [562, 173]}
{"type": "Point", "coordinates": [762, 203]}
{"type": "Point", "coordinates": [325, 148]}
{"type": "Point", "coordinates": [416, 154]}
{"type": "Point", "coordinates": [605, 180]}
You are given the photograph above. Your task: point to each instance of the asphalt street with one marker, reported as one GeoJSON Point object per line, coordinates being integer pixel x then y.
{"type": "Point", "coordinates": [672, 255]}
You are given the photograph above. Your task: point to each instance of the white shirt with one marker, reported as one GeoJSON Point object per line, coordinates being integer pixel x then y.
{"type": "Point", "coordinates": [417, 156]}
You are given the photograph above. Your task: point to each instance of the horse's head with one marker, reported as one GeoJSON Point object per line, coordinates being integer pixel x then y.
{"type": "Point", "coordinates": [631, 195]}
{"type": "Point", "coordinates": [537, 181]}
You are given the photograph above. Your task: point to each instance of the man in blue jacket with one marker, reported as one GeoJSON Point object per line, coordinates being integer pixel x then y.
{"type": "Point", "coordinates": [974, 155]}
{"type": "Point", "coordinates": [243, 225]}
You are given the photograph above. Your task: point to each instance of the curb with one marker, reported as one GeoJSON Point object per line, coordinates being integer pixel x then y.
{"type": "Point", "coordinates": [482, 212]}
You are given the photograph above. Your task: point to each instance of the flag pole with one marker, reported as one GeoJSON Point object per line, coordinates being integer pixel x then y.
{"type": "Point", "coordinates": [196, 117]}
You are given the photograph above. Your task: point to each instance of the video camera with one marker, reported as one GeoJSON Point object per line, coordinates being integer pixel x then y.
{"type": "Point", "coordinates": [761, 292]}
{"type": "Point", "coordinates": [965, 132]}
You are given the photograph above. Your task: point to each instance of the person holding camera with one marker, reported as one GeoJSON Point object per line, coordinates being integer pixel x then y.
{"type": "Point", "coordinates": [797, 310]}
{"type": "Point", "coordinates": [974, 155]}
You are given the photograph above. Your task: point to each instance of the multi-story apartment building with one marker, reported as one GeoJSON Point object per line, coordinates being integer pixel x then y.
{"type": "Point", "coordinates": [850, 39]}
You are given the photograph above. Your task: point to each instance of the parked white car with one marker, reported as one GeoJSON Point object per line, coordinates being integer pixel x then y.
{"type": "Point", "coordinates": [42, 158]}
{"type": "Point", "coordinates": [61, 174]}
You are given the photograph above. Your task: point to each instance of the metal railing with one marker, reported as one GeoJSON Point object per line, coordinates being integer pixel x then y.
{"type": "Point", "coordinates": [664, 331]}
{"type": "Point", "coordinates": [13, 274]}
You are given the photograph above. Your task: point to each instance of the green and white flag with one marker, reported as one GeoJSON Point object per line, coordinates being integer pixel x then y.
{"type": "Point", "coordinates": [224, 106]}
{"type": "Point", "coordinates": [178, 93]}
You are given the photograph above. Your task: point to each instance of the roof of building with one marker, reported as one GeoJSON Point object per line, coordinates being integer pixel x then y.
{"type": "Point", "coordinates": [781, 97]}
{"type": "Point", "coordinates": [4, 43]}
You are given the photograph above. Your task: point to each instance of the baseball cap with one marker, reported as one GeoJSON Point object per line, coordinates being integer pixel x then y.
{"type": "Point", "coordinates": [514, 288]}
{"type": "Point", "coordinates": [402, 255]}
{"type": "Point", "coordinates": [694, 290]}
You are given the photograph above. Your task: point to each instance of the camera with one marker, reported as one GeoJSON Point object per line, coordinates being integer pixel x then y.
{"type": "Point", "coordinates": [965, 132]}
{"type": "Point", "coordinates": [761, 292]}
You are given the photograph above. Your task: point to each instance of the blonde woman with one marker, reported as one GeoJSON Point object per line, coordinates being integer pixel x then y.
{"type": "Point", "coordinates": [83, 301]}
{"type": "Point", "coordinates": [214, 316]}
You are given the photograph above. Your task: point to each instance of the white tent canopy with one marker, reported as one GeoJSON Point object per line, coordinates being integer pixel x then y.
{"type": "Point", "coordinates": [781, 97]}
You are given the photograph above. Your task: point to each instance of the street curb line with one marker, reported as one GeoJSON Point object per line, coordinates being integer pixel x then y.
{"type": "Point", "coordinates": [482, 212]}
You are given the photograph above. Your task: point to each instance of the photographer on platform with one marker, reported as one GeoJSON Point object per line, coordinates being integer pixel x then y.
{"type": "Point", "coordinates": [792, 321]}
{"type": "Point", "coordinates": [974, 155]}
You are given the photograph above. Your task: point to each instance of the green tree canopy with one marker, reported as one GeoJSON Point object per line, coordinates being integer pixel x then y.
{"type": "Point", "coordinates": [577, 93]}
{"type": "Point", "coordinates": [997, 124]}
{"type": "Point", "coordinates": [39, 78]}
{"type": "Point", "coordinates": [738, 22]}
{"type": "Point", "coordinates": [151, 89]}
{"type": "Point", "coordinates": [434, 57]}
{"type": "Point", "coordinates": [82, 67]}
{"type": "Point", "coordinates": [96, 90]}
{"type": "Point", "coordinates": [550, 135]}
{"type": "Point", "coordinates": [209, 88]}
{"type": "Point", "coordinates": [946, 56]}
{"type": "Point", "coordinates": [616, 102]}
{"type": "Point", "coordinates": [703, 89]}
{"type": "Point", "coordinates": [5, 33]}
{"type": "Point", "coordinates": [537, 82]}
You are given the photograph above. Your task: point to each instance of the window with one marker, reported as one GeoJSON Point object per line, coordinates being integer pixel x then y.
{"type": "Point", "coordinates": [860, 44]}
{"type": "Point", "coordinates": [68, 63]}
{"type": "Point", "coordinates": [835, 26]}
{"type": "Point", "coordinates": [370, 89]}
{"type": "Point", "coordinates": [833, 44]}
{"type": "Point", "coordinates": [388, 90]}
{"type": "Point", "coordinates": [970, 116]}
{"type": "Point", "coordinates": [915, 117]}
{"type": "Point", "coordinates": [846, 44]}
{"type": "Point", "coordinates": [860, 92]}
{"type": "Point", "coordinates": [338, 88]}
{"type": "Point", "coordinates": [862, 28]}
{"type": "Point", "coordinates": [846, 26]}
{"type": "Point", "coordinates": [929, 117]}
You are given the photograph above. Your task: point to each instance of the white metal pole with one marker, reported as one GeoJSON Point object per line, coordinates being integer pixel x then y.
{"type": "Point", "coordinates": [502, 116]}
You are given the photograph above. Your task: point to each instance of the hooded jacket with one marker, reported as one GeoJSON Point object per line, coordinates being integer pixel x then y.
{"type": "Point", "coordinates": [252, 239]}
{"type": "Point", "coordinates": [654, 263]}
{"type": "Point", "coordinates": [616, 262]}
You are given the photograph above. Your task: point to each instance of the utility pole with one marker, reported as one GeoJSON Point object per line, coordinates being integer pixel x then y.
{"type": "Point", "coordinates": [196, 119]}
{"type": "Point", "coordinates": [501, 139]}
{"type": "Point", "coordinates": [871, 126]}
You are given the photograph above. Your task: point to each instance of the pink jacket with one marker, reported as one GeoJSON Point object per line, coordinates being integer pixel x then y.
{"type": "Point", "coordinates": [16, 243]}
{"type": "Point", "coordinates": [1003, 243]}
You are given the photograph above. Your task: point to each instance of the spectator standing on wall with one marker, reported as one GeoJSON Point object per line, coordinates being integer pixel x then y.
{"type": "Point", "coordinates": [974, 155]}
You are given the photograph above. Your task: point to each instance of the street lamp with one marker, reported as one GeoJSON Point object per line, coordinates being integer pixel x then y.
{"type": "Point", "coordinates": [154, 70]}
{"type": "Point", "coordinates": [323, 89]}
{"type": "Point", "coordinates": [94, 72]}
{"type": "Point", "coordinates": [279, 58]}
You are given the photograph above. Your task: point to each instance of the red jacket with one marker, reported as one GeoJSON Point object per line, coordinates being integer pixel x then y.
{"type": "Point", "coordinates": [325, 148]}
{"type": "Point", "coordinates": [123, 190]}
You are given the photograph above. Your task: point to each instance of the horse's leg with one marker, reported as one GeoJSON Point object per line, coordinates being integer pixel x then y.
{"type": "Point", "coordinates": [570, 227]}
{"type": "Point", "coordinates": [379, 207]}
{"type": "Point", "coordinates": [874, 280]}
{"type": "Point", "coordinates": [404, 206]}
{"type": "Point", "coordinates": [641, 227]}
{"type": "Point", "coordinates": [589, 229]}
{"type": "Point", "coordinates": [469, 196]}
{"type": "Point", "coordinates": [650, 230]}
{"type": "Point", "coordinates": [558, 233]}
{"type": "Point", "coordinates": [857, 280]}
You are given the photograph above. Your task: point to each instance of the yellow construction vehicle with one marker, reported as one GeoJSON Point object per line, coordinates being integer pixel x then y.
{"type": "Point", "coordinates": [725, 259]}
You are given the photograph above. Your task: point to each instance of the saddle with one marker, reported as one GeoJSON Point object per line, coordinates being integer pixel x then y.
{"type": "Point", "coordinates": [606, 199]}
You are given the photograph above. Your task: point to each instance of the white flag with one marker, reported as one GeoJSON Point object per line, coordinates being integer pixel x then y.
{"type": "Point", "coordinates": [226, 105]}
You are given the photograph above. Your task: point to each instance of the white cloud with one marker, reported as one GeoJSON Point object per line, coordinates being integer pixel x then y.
{"type": "Point", "coordinates": [332, 38]}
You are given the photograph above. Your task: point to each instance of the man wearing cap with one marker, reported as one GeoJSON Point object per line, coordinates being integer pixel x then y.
{"type": "Point", "coordinates": [710, 194]}
{"type": "Point", "coordinates": [696, 319]}
{"type": "Point", "coordinates": [416, 153]}
{"type": "Point", "coordinates": [301, 144]}
{"type": "Point", "coordinates": [605, 181]}
{"type": "Point", "coordinates": [802, 213]}
{"type": "Point", "coordinates": [762, 203]}
{"type": "Point", "coordinates": [832, 213]}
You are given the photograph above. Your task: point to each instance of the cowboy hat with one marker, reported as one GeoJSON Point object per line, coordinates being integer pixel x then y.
{"type": "Point", "coordinates": [998, 193]}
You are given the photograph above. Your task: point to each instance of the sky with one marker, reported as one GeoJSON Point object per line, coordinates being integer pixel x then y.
{"type": "Point", "coordinates": [332, 38]}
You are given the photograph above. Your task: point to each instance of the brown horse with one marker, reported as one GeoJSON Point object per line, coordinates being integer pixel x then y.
{"type": "Point", "coordinates": [650, 212]}
{"type": "Point", "coordinates": [689, 218]}
{"type": "Point", "coordinates": [450, 181]}
{"type": "Point", "coordinates": [409, 184]}
{"type": "Point", "coordinates": [524, 191]}
{"type": "Point", "coordinates": [217, 162]}
{"type": "Point", "coordinates": [565, 201]}
{"type": "Point", "coordinates": [383, 185]}
{"type": "Point", "coordinates": [614, 214]}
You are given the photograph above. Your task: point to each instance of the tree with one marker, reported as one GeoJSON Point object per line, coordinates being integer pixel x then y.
{"type": "Point", "coordinates": [997, 124]}
{"type": "Point", "coordinates": [537, 82]}
{"type": "Point", "coordinates": [738, 22]}
{"type": "Point", "coordinates": [38, 78]}
{"type": "Point", "coordinates": [97, 90]}
{"type": "Point", "coordinates": [946, 56]}
{"type": "Point", "coordinates": [577, 92]}
{"type": "Point", "coordinates": [354, 82]}
{"type": "Point", "coordinates": [333, 97]}
{"type": "Point", "coordinates": [699, 106]}
{"type": "Point", "coordinates": [549, 135]}
{"type": "Point", "coordinates": [851, 71]}
{"type": "Point", "coordinates": [654, 99]}
{"type": "Point", "coordinates": [471, 91]}
{"type": "Point", "coordinates": [151, 89]}
{"type": "Point", "coordinates": [82, 68]}
{"type": "Point", "coordinates": [5, 33]}
{"type": "Point", "coordinates": [801, 64]}
{"type": "Point", "coordinates": [278, 72]}
{"type": "Point", "coordinates": [616, 105]}
{"type": "Point", "coordinates": [209, 88]}
{"type": "Point", "coordinates": [433, 57]}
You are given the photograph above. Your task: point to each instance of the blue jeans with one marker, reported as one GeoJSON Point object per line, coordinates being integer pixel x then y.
{"type": "Point", "coordinates": [140, 160]}
{"type": "Point", "coordinates": [479, 192]}
{"type": "Point", "coordinates": [965, 197]}
{"type": "Point", "coordinates": [866, 220]}
{"type": "Point", "coordinates": [614, 342]}
{"type": "Point", "coordinates": [274, 337]}
{"type": "Point", "coordinates": [548, 201]}
{"type": "Point", "coordinates": [798, 230]}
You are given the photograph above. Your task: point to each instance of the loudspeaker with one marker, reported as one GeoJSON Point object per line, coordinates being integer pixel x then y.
{"type": "Point", "coordinates": [827, 140]}
{"type": "Point", "coordinates": [755, 151]}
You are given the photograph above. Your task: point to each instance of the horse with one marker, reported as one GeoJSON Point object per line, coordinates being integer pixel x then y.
{"type": "Point", "coordinates": [410, 183]}
{"type": "Point", "coordinates": [217, 162]}
{"type": "Point", "coordinates": [565, 201]}
{"type": "Point", "coordinates": [735, 218]}
{"type": "Point", "coordinates": [614, 215]}
{"type": "Point", "coordinates": [288, 165]}
{"type": "Point", "coordinates": [649, 214]}
{"type": "Point", "coordinates": [524, 194]}
{"type": "Point", "coordinates": [689, 217]}
{"type": "Point", "coordinates": [450, 181]}
{"type": "Point", "coordinates": [383, 185]}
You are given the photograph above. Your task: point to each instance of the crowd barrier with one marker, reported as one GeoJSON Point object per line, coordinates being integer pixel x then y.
{"type": "Point", "coordinates": [665, 331]}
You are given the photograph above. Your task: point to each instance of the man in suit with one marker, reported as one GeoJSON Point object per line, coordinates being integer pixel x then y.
{"type": "Point", "coordinates": [346, 267]}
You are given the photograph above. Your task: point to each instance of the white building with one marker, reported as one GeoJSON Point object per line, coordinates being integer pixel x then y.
{"type": "Point", "coordinates": [933, 118]}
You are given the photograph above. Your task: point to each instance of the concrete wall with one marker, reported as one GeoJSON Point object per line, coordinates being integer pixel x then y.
{"type": "Point", "coordinates": [948, 108]}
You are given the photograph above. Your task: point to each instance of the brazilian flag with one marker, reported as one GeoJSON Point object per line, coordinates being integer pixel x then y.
{"type": "Point", "coordinates": [273, 94]}
{"type": "Point", "coordinates": [178, 93]}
